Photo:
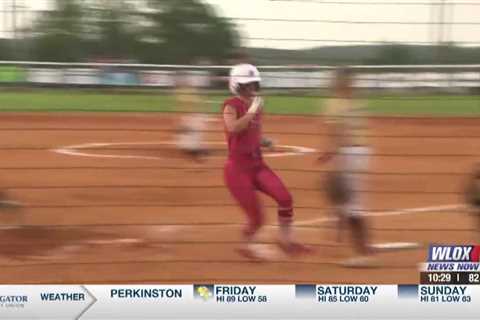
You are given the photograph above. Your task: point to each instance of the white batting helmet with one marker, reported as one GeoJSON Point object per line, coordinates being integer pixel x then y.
{"type": "Point", "coordinates": [242, 74]}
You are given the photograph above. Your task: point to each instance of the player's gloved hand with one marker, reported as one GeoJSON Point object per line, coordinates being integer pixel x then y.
{"type": "Point", "coordinates": [256, 105]}
{"type": "Point", "coordinates": [267, 143]}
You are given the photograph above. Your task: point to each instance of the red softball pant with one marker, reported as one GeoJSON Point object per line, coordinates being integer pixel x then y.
{"type": "Point", "coordinates": [243, 182]}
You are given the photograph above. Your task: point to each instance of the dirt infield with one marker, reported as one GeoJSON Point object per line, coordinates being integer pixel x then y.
{"type": "Point", "coordinates": [159, 217]}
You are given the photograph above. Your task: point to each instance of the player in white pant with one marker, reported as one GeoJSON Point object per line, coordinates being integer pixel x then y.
{"type": "Point", "coordinates": [347, 147]}
{"type": "Point", "coordinates": [190, 135]}
{"type": "Point", "coordinates": [353, 163]}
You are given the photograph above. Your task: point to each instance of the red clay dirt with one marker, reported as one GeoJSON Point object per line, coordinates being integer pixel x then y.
{"type": "Point", "coordinates": [171, 220]}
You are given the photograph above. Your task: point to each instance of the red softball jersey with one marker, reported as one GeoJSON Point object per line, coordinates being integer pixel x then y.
{"type": "Point", "coordinates": [244, 146]}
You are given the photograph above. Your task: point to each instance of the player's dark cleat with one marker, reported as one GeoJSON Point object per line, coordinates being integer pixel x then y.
{"type": "Point", "coordinates": [9, 205]}
{"type": "Point", "coordinates": [337, 188]}
{"type": "Point", "coordinates": [62, 253]}
{"type": "Point", "coordinates": [294, 248]}
{"type": "Point", "coordinates": [197, 155]}
{"type": "Point", "coordinates": [266, 143]}
{"type": "Point", "coordinates": [198, 152]}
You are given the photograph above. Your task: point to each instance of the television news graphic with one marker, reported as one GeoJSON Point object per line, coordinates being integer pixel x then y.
{"type": "Point", "coordinates": [451, 264]}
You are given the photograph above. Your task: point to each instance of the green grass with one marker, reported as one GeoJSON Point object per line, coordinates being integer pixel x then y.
{"type": "Point", "coordinates": [48, 100]}
{"type": "Point", "coordinates": [431, 105]}
{"type": "Point", "coordinates": [69, 100]}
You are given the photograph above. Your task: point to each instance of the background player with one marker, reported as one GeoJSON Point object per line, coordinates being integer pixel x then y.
{"type": "Point", "coordinates": [191, 129]}
{"type": "Point", "coordinates": [347, 147]}
{"type": "Point", "coordinates": [245, 171]}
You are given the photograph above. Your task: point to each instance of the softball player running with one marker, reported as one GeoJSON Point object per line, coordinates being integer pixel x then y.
{"type": "Point", "coordinates": [245, 171]}
{"type": "Point", "coordinates": [347, 146]}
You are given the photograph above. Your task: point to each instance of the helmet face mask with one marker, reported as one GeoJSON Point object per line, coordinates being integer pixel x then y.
{"type": "Point", "coordinates": [245, 88]}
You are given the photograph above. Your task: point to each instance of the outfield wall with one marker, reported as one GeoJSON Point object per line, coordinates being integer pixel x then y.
{"type": "Point", "coordinates": [121, 76]}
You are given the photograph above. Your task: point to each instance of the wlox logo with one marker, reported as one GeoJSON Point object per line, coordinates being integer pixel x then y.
{"type": "Point", "coordinates": [438, 253]}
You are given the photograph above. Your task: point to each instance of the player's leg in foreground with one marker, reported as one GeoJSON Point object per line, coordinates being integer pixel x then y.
{"type": "Point", "coordinates": [349, 214]}
{"type": "Point", "coordinates": [338, 194]}
{"type": "Point", "coordinates": [269, 183]}
{"type": "Point", "coordinates": [354, 160]}
{"type": "Point", "coordinates": [241, 185]}
{"type": "Point", "coordinates": [342, 189]}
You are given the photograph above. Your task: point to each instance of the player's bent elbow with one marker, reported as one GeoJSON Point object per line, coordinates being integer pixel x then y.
{"type": "Point", "coordinates": [231, 128]}
{"type": "Point", "coordinates": [235, 128]}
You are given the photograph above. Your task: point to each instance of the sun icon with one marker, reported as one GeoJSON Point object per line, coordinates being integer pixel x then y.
{"type": "Point", "coordinates": [204, 293]}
